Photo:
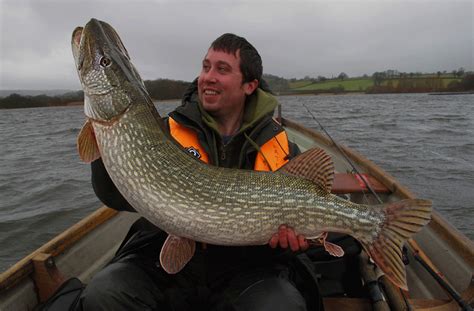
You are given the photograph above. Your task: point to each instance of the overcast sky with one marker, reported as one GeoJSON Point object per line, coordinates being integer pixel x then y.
{"type": "Point", "coordinates": [168, 39]}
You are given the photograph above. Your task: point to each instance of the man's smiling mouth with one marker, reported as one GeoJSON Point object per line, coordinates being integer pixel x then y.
{"type": "Point", "coordinates": [210, 92]}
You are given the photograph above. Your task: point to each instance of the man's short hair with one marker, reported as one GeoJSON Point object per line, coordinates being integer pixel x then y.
{"type": "Point", "coordinates": [250, 60]}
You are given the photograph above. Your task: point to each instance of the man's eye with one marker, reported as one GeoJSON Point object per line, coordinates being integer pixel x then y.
{"type": "Point", "coordinates": [223, 69]}
{"type": "Point", "coordinates": [205, 67]}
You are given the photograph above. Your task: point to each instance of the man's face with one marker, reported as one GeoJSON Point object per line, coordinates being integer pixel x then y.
{"type": "Point", "coordinates": [220, 86]}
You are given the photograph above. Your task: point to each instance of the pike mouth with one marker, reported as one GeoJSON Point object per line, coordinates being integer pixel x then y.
{"type": "Point", "coordinates": [76, 47]}
{"type": "Point", "coordinates": [77, 35]}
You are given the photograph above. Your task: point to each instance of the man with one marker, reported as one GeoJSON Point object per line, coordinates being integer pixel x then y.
{"type": "Point", "coordinates": [225, 120]}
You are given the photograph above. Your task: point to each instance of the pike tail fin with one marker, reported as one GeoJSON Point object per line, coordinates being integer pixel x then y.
{"type": "Point", "coordinates": [403, 219]}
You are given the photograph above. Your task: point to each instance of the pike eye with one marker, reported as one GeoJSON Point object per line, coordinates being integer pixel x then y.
{"type": "Point", "coordinates": [105, 61]}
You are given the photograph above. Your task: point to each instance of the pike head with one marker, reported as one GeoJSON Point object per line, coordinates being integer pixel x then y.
{"type": "Point", "coordinates": [108, 78]}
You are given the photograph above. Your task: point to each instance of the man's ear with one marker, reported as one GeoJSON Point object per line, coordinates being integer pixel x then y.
{"type": "Point", "coordinates": [251, 86]}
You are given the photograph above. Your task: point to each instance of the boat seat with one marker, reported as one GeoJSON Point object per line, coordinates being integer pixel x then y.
{"type": "Point", "coordinates": [353, 183]}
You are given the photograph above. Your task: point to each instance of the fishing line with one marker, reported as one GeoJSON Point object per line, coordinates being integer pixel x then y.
{"type": "Point", "coordinates": [354, 169]}
{"type": "Point", "coordinates": [346, 157]}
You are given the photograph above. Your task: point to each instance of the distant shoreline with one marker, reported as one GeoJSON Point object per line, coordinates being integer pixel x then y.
{"type": "Point", "coordinates": [81, 103]}
{"type": "Point", "coordinates": [322, 94]}
{"type": "Point", "coordinates": [75, 103]}
{"type": "Point", "coordinates": [452, 93]}
{"type": "Point", "coordinates": [387, 82]}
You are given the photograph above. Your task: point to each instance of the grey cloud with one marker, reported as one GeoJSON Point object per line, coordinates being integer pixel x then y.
{"type": "Point", "coordinates": [168, 39]}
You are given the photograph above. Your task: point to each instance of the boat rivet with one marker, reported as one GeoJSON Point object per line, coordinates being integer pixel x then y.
{"type": "Point", "coordinates": [50, 262]}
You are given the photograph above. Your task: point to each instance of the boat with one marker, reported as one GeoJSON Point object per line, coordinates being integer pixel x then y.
{"type": "Point", "coordinates": [440, 258]}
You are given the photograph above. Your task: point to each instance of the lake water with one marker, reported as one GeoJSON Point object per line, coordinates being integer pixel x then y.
{"type": "Point", "coordinates": [425, 141]}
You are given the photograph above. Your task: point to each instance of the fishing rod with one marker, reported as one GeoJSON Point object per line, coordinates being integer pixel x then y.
{"type": "Point", "coordinates": [354, 169]}
{"type": "Point", "coordinates": [378, 301]}
{"type": "Point", "coordinates": [416, 251]}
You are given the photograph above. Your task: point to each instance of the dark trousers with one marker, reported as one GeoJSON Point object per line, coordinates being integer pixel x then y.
{"type": "Point", "coordinates": [125, 286]}
{"type": "Point", "coordinates": [215, 279]}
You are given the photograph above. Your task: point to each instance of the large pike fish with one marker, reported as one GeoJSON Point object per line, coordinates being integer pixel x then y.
{"type": "Point", "coordinates": [193, 201]}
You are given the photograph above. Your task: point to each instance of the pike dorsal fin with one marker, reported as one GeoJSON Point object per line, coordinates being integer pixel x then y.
{"type": "Point", "coordinates": [87, 144]}
{"type": "Point", "coordinates": [176, 253]}
{"type": "Point", "coordinates": [315, 165]}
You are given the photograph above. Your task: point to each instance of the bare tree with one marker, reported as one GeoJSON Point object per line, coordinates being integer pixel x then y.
{"type": "Point", "coordinates": [342, 76]}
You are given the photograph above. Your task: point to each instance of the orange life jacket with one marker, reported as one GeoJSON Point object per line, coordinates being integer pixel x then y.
{"type": "Point", "coordinates": [271, 156]}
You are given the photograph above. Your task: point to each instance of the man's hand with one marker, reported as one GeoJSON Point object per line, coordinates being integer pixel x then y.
{"type": "Point", "coordinates": [286, 236]}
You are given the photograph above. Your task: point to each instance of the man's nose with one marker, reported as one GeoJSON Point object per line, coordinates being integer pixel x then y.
{"type": "Point", "coordinates": [210, 76]}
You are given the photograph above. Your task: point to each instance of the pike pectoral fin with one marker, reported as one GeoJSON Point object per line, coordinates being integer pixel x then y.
{"type": "Point", "coordinates": [87, 144]}
{"type": "Point", "coordinates": [176, 253]}
{"type": "Point", "coordinates": [333, 249]}
{"type": "Point", "coordinates": [402, 220]}
{"type": "Point", "coordinates": [315, 165]}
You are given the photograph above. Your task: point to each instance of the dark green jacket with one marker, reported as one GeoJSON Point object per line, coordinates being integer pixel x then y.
{"type": "Point", "coordinates": [257, 128]}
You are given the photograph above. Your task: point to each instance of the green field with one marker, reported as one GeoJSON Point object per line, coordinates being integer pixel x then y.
{"type": "Point", "coordinates": [349, 85]}
{"type": "Point", "coordinates": [299, 84]}
{"type": "Point", "coordinates": [362, 84]}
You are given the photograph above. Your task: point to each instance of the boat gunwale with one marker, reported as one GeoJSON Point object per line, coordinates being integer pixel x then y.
{"type": "Point", "coordinates": [56, 246]}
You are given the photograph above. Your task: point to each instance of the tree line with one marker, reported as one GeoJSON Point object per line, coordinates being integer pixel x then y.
{"type": "Point", "coordinates": [400, 82]}
{"type": "Point", "coordinates": [160, 89]}
{"type": "Point", "coordinates": [389, 81]}
{"type": "Point", "coordinates": [19, 101]}
{"type": "Point", "coordinates": [163, 89]}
